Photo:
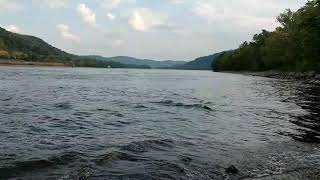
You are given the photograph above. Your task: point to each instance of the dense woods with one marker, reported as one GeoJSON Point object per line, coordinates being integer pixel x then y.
{"type": "Point", "coordinates": [294, 46]}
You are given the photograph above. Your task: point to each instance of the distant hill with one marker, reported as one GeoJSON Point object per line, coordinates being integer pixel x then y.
{"type": "Point", "coordinates": [15, 46]}
{"type": "Point", "coordinates": [140, 62]}
{"type": "Point", "coordinates": [201, 63]}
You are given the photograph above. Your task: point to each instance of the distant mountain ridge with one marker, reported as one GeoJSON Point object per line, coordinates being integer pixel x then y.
{"type": "Point", "coordinates": [140, 62]}
{"type": "Point", "coordinates": [201, 63]}
{"type": "Point", "coordinates": [15, 46]}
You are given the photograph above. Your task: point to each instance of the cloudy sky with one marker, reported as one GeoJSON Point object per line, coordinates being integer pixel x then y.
{"type": "Point", "coordinates": [156, 29]}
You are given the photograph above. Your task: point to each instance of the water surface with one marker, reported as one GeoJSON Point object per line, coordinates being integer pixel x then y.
{"type": "Point", "coordinates": [63, 123]}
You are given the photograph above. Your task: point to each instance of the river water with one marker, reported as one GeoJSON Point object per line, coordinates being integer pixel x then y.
{"type": "Point", "coordinates": [82, 123]}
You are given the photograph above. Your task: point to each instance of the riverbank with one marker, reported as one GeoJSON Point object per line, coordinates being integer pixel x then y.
{"type": "Point", "coordinates": [308, 77]}
{"type": "Point", "coordinates": [30, 63]}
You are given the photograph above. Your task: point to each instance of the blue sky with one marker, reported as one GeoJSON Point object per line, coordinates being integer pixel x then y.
{"type": "Point", "coordinates": [155, 29]}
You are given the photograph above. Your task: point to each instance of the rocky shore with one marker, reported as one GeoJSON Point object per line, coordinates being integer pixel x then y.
{"type": "Point", "coordinates": [308, 77]}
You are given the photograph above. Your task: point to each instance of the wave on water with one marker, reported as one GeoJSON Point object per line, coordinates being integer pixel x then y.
{"type": "Point", "coordinates": [63, 105]}
{"type": "Point", "coordinates": [140, 106]}
{"type": "Point", "coordinates": [118, 155]}
{"type": "Point", "coordinates": [22, 167]}
{"type": "Point", "coordinates": [118, 126]}
{"type": "Point", "coordinates": [10, 111]}
{"type": "Point", "coordinates": [137, 153]}
{"type": "Point", "coordinates": [110, 112]}
{"type": "Point", "coordinates": [185, 105]}
{"type": "Point", "coordinates": [134, 150]}
{"type": "Point", "coordinates": [147, 145]}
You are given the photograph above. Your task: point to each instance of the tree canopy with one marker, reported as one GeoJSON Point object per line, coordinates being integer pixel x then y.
{"type": "Point", "coordinates": [294, 46]}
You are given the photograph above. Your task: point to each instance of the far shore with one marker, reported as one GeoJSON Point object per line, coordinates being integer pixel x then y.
{"type": "Point", "coordinates": [22, 63]}
{"type": "Point", "coordinates": [308, 77]}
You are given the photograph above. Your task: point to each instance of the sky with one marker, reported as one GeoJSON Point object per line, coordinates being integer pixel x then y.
{"type": "Point", "coordinates": [151, 29]}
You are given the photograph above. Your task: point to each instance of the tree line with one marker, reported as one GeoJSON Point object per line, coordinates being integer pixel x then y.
{"type": "Point", "coordinates": [294, 46]}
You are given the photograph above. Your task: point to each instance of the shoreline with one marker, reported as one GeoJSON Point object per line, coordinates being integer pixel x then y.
{"type": "Point", "coordinates": [308, 77]}
{"type": "Point", "coordinates": [21, 63]}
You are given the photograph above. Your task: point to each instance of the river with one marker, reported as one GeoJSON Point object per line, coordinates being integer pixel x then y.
{"type": "Point", "coordinates": [64, 123]}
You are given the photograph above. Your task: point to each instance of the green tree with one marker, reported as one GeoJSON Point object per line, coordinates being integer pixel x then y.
{"type": "Point", "coordinates": [294, 46]}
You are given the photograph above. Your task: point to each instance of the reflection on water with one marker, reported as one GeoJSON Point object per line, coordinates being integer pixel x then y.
{"type": "Point", "coordinates": [154, 124]}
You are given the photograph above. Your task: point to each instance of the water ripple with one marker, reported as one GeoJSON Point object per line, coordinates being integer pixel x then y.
{"type": "Point", "coordinates": [82, 123]}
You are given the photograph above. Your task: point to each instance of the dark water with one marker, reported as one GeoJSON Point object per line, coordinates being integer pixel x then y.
{"type": "Point", "coordinates": [154, 124]}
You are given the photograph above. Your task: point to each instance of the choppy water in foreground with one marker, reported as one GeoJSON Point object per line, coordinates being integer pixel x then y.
{"type": "Point", "coordinates": [154, 124]}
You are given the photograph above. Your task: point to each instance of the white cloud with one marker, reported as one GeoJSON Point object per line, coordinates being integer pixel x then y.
{"type": "Point", "coordinates": [205, 10]}
{"type": "Point", "coordinates": [143, 19]}
{"type": "Point", "coordinates": [111, 16]}
{"type": "Point", "coordinates": [239, 14]}
{"type": "Point", "coordinates": [10, 5]}
{"type": "Point", "coordinates": [87, 15]}
{"type": "Point", "coordinates": [66, 34]}
{"type": "Point", "coordinates": [12, 28]}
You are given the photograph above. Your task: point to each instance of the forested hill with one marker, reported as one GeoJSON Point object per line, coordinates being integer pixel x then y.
{"type": "Point", "coordinates": [201, 63]}
{"type": "Point", "coordinates": [294, 46]}
{"type": "Point", "coordinates": [15, 46]}
{"type": "Point", "coordinates": [139, 62]}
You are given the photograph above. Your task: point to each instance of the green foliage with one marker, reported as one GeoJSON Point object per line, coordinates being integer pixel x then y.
{"type": "Point", "coordinates": [294, 46]}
